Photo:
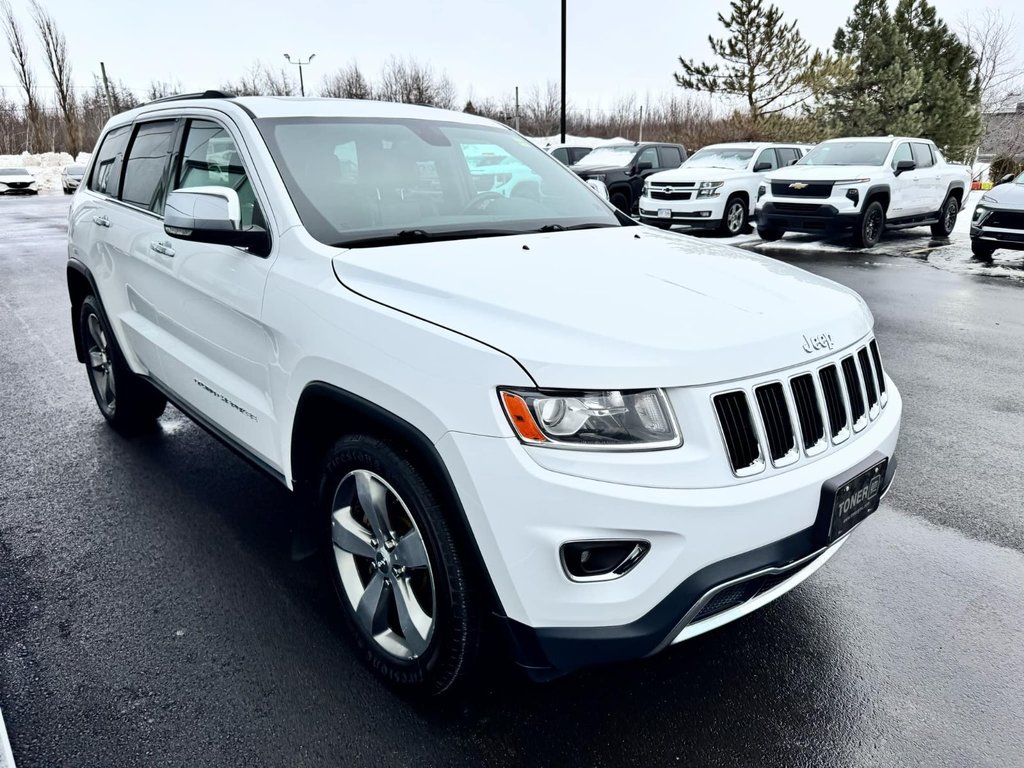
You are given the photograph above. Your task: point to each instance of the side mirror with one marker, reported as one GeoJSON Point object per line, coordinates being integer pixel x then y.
{"type": "Point", "coordinates": [599, 188]}
{"type": "Point", "coordinates": [905, 165]}
{"type": "Point", "coordinates": [641, 167]}
{"type": "Point", "coordinates": [762, 167]}
{"type": "Point", "coordinates": [1006, 179]}
{"type": "Point", "coordinates": [793, 162]}
{"type": "Point", "coordinates": [212, 215]}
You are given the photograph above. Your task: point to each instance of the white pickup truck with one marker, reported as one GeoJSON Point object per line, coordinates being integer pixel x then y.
{"type": "Point", "coordinates": [866, 185]}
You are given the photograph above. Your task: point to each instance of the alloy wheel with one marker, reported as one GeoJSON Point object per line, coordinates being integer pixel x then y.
{"type": "Point", "coordinates": [872, 226]}
{"type": "Point", "coordinates": [382, 564]}
{"type": "Point", "coordinates": [100, 366]}
{"type": "Point", "coordinates": [734, 218]}
{"type": "Point", "coordinates": [950, 220]}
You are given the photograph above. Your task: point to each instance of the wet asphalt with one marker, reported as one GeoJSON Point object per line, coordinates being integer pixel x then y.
{"type": "Point", "coordinates": [152, 613]}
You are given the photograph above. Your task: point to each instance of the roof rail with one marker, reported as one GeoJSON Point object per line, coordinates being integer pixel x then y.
{"type": "Point", "coordinates": [203, 95]}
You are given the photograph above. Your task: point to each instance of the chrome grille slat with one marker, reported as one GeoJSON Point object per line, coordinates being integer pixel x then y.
{"type": "Point", "coordinates": [772, 420]}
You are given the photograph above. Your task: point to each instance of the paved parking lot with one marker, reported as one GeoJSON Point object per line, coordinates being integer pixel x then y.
{"type": "Point", "coordinates": [151, 612]}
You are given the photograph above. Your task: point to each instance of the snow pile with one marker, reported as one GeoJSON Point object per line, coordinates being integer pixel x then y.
{"type": "Point", "coordinates": [546, 142]}
{"type": "Point", "coordinates": [46, 167]}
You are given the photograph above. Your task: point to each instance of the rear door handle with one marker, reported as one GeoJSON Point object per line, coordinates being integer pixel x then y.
{"type": "Point", "coordinates": [102, 221]}
{"type": "Point", "coordinates": [162, 248]}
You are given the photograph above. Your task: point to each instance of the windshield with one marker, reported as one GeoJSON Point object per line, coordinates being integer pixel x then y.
{"type": "Point", "coordinates": [612, 157]}
{"type": "Point", "coordinates": [371, 181]}
{"type": "Point", "coordinates": [720, 157]}
{"type": "Point", "coordinates": [75, 170]}
{"type": "Point", "coordinates": [848, 153]}
{"type": "Point", "coordinates": [13, 172]}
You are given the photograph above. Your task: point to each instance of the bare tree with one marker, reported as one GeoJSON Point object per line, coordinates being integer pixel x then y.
{"type": "Point", "coordinates": [410, 82]}
{"type": "Point", "coordinates": [993, 39]}
{"type": "Point", "coordinates": [161, 89]}
{"type": "Point", "coordinates": [260, 80]}
{"type": "Point", "coordinates": [347, 83]}
{"type": "Point", "coordinates": [26, 77]}
{"type": "Point", "coordinates": [55, 47]}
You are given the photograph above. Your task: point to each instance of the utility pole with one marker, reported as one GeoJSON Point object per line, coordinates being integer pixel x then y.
{"type": "Point", "coordinates": [563, 71]}
{"type": "Point", "coordinates": [300, 64]}
{"type": "Point", "coordinates": [641, 124]}
{"type": "Point", "coordinates": [106, 87]}
{"type": "Point", "coordinates": [517, 108]}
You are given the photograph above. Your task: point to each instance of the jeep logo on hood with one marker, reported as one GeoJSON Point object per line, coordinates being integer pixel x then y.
{"type": "Point", "coordinates": [814, 343]}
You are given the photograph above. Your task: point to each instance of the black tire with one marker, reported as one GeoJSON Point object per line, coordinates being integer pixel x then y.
{"type": "Point", "coordinates": [982, 251]}
{"type": "Point", "coordinates": [947, 218]}
{"type": "Point", "coordinates": [659, 224]}
{"type": "Point", "coordinates": [770, 234]}
{"type": "Point", "coordinates": [67, 191]}
{"type": "Point", "coordinates": [128, 403]}
{"type": "Point", "coordinates": [621, 201]}
{"type": "Point", "coordinates": [870, 226]}
{"type": "Point", "coordinates": [734, 221]}
{"type": "Point", "coordinates": [452, 645]}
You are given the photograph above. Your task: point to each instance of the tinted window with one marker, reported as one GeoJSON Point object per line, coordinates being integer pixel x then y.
{"type": "Point", "coordinates": [106, 172]}
{"type": "Point", "coordinates": [579, 153]}
{"type": "Point", "coordinates": [767, 156]}
{"type": "Point", "coordinates": [145, 178]}
{"type": "Point", "coordinates": [787, 155]}
{"type": "Point", "coordinates": [923, 156]}
{"type": "Point", "coordinates": [649, 155]}
{"type": "Point", "coordinates": [211, 159]}
{"type": "Point", "coordinates": [670, 157]}
{"type": "Point", "coordinates": [561, 154]}
{"type": "Point", "coordinates": [902, 153]}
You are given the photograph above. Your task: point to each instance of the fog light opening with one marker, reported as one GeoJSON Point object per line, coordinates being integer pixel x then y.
{"type": "Point", "coordinates": [601, 560]}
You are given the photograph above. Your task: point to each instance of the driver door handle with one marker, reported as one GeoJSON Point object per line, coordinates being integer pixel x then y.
{"type": "Point", "coordinates": [162, 248]}
{"type": "Point", "coordinates": [102, 221]}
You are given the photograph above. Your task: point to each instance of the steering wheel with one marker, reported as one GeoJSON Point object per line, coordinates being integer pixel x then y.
{"type": "Point", "coordinates": [483, 197]}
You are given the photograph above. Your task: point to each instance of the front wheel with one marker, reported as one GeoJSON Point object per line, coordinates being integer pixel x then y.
{"type": "Point", "coordinates": [947, 218]}
{"type": "Point", "coordinates": [870, 227]}
{"type": "Point", "coordinates": [982, 250]}
{"type": "Point", "coordinates": [403, 586]}
{"type": "Point", "coordinates": [620, 201]}
{"type": "Point", "coordinates": [734, 222]}
{"type": "Point", "coordinates": [770, 234]}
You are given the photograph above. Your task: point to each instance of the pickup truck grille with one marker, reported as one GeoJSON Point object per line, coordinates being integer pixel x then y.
{"type": "Point", "coordinates": [1006, 220]}
{"type": "Point", "coordinates": [778, 421]}
{"type": "Point", "coordinates": [802, 188]}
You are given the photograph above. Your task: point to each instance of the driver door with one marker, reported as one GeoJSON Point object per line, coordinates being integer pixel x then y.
{"type": "Point", "coordinates": [904, 199]}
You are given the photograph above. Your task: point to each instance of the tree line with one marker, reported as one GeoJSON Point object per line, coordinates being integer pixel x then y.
{"type": "Point", "coordinates": [898, 69]}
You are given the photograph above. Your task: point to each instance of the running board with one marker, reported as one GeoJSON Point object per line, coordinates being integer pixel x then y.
{"type": "Point", "coordinates": [906, 224]}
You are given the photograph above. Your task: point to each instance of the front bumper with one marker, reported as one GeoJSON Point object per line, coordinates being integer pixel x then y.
{"type": "Point", "coordinates": [705, 212]}
{"type": "Point", "coordinates": [821, 218]}
{"type": "Point", "coordinates": [521, 513]}
{"type": "Point", "coordinates": [5, 190]}
{"type": "Point", "coordinates": [1011, 239]}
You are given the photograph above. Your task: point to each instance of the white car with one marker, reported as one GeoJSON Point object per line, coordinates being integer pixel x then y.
{"type": "Point", "coordinates": [529, 413]}
{"type": "Point", "coordinates": [864, 185]}
{"type": "Point", "coordinates": [568, 154]}
{"type": "Point", "coordinates": [17, 181]}
{"type": "Point", "coordinates": [71, 177]}
{"type": "Point", "coordinates": [716, 188]}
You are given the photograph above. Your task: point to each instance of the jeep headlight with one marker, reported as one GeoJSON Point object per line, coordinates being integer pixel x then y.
{"type": "Point", "coordinates": [709, 188]}
{"type": "Point", "coordinates": [612, 420]}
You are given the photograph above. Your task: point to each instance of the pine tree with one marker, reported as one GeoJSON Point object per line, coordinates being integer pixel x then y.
{"type": "Point", "coordinates": [880, 93]}
{"type": "Point", "coordinates": [766, 62]}
{"type": "Point", "coordinates": [950, 93]}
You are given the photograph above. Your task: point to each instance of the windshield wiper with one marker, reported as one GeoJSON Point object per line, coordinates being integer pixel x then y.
{"type": "Point", "coordinates": [563, 228]}
{"type": "Point", "coordinates": [406, 236]}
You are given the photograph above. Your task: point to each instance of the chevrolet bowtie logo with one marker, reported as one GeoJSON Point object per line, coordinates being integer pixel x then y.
{"type": "Point", "coordinates": [798, 185]}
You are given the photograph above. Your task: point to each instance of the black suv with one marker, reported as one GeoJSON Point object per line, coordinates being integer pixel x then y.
{"type": "Point", "coordinates": [623, 168]}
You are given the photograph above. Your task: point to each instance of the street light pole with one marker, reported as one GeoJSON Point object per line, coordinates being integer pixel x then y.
{"type": "Point", "coordinates": [300, 64]}
{"type": "Point", "coordinates": [563, 71]}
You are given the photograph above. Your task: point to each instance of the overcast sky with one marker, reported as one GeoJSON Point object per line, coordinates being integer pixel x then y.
{"type": "Point", "coordinates": [487, 47]}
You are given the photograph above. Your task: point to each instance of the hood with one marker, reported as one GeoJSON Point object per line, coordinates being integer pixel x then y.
{"type": "Point", "coordinates": [828, 172]}
{"type": "Point", "coordinates": [590, 170]}
{"type": "Point", "coordinates": [682, 173]}
{"type": "Point", "coordinates": [1009, 194]}
{"type": "Point", "coordinates": [5, 178]}
{"type": "Point", "coordinates": [614, 308]}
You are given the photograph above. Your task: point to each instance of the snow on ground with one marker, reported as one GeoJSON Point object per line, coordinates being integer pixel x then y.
{"type": "Point", "coordinates": [46, 167]}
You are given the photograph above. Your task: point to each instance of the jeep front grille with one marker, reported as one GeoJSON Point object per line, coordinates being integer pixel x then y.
{"type": "Point", "coordinates": [821, 406]}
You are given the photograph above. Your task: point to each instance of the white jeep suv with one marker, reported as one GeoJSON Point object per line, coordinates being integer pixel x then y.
{"type": "Point", "coordinates": [866, 185]}
{"type": "Point", "coordinates": [716, 188]}
{"type": "Point", "coordinates": [524, 411]}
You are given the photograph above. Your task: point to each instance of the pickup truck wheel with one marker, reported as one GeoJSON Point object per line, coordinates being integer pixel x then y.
{"type": "Point", "coordinates": [870, 227]}
{"type": "Point", "coordinates": [735, 219]}
{"type": "Point", "coordinates": [620, 201]}
{"type": "Point", "coordinates": [129, 403]}
{"type": "Point", "coordinates": [947, 218]}
{"type": "Point", "coordinates": [770, 234]}
{"type": "Point", "coordinates": [403, 587]}
{"type": "Point", "coordinates": [982, 250]}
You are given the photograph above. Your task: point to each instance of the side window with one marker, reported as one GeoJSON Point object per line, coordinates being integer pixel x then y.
{"type": "Point", "coordinates": [145, 175]}
{"type": "Point", "coordinates": [106, 171]}
{"type": "Point", "coordinates": [670, 157]}
{"type": "Point", "coordinates": [787, 155]}
{"type": "Point", "coordinates": [767, 156]}
{"type": "Point", "coordinates": [650, 156]}
{"type": "Point", "coordinates": [211, 159]}
{"type": "Point", "coordinates": [561, 154]}
{"type": "Point", "coordinates": [902, 153]}
{"type": "Point", "coordinates": [923, 155]}
{"type": "Point", "coordinates": [578, 154]}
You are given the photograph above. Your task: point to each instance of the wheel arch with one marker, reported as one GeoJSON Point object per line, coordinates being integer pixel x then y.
{"type": "Point", "coordinates": [80, 285]}
{"type": "Point", "coordinates": [880, 192]}
{"type": "Point", "coordinates": [956, 189]}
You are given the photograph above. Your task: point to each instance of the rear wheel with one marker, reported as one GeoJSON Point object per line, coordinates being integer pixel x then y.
{"type": "Point", "coordinates": [734, 222]}
{"type": "Point", "coordinates": [870, 227]}
{"type": "Point", "coordinates": [620, 201]}
{"type": "Point", "coordinates": [130, 404]}
{"type": "Point", "coordinates": [770, 234]}
{"type": "Point", "coordinates": [403, 587]}
{"type": "Point", "coordinates": [947, 218]}
{"type": "Point", "coordinates": [982, 250]}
